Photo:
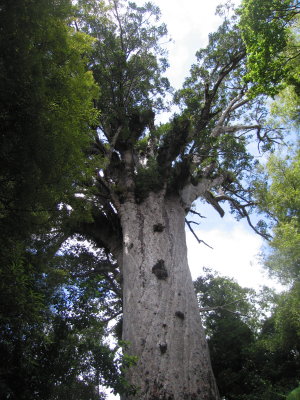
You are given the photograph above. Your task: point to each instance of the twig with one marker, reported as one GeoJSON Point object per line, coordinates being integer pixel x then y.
{"type": "Point", "coordinates": [112, 317]}
{"type": "Point", "coordinates": [193, 222]}
{"type": "Point", "coordinates": [223, 307]}
{"type": "Point", "coordinates": [198, 240]}
{"type": "Point", "coordinates": [196, 213]}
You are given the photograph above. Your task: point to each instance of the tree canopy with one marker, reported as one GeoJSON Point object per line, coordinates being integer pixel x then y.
{"type": "Point", "coordinates": [48, 346]}
{"type": "Point", "coordinates": [203, 151]}
{"type": "Point", "coordinates": [253, 337]}
{"type": "Point", "coordinates": [267, 29]}
{"type": "Point", "coordinates": [277, 191]}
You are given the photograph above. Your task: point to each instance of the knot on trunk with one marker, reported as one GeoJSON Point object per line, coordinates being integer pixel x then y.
{"type": "Point", "coordinates": [159, 270]}
{"type": "Point", "coordinates": [179, 314]}
{"type": "Point", "coordinates": [158, 228]}
{"type": "Point", "coordinates": [163, 347]}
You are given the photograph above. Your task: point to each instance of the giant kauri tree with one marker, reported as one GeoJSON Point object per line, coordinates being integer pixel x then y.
{"type": "Point", "coordinates": [148, 175]}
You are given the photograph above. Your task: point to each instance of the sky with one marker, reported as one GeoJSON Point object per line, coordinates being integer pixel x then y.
{"type": "Point", "coordinates": [188, 23]}
{"type": "Point", "coordinates": [235, 246]}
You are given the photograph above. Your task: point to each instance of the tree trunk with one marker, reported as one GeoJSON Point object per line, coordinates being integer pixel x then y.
{"type": "Point", "coordinates": [161, 319]}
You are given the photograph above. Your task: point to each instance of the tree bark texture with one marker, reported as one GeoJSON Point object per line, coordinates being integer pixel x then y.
{"type": "Point", "coordinates": [161, 318]}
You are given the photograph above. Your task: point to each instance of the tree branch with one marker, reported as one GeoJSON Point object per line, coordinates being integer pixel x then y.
{"type": "Point", "coordinates": [241, 208]}
{"type": "Point", "coordinates": [198, 240]}
{"type": "Point", "coordinates": [223, 307]}
{"type": "Point", "coordinates": [115, 315]}
{"type": "Point", "coordinates": [211, 199]}
{"type": "Point", "coordinates": [231, 106]}
{"type": "Point", "coordinates": [196, 213]}
{"type": "Point", "coordinates": [191, 192]}
{"type": "Point", "coordinates": [104, 230]}
{"type": "Point", "coordinates": [210, 94]}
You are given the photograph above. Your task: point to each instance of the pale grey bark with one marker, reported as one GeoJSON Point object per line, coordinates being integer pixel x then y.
{"type": "Point", "coordinates": [161, 319]}
{"type": "Point", "coordinates": [191, 192]}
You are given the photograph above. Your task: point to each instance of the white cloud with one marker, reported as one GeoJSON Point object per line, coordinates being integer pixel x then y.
{"type": "Point", "coordinates": [234, 254]}
{"type": "Point", "coordinates": [111, 396]}
{"type": "Point", "coordinates": [188, 24]}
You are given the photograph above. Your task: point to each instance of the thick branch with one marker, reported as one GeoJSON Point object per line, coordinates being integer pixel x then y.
{"type": "Point", "coordinates": [226, 71]}
{"type": "Point", "coordinates": [129, 172]}
{"type": "Point", "coordinates": [233, 105]}
{"type": "Point", "coordinates": [234, 128]}
{"type": "Point", "coordinates": [120, 24]}
{"type": "Point", "coordinates": [241, 208]}
{"type": "Point", "coordinates": [211, 199]}
{"type": "Point", "coordinates": [210, 94]}
{"type": "Point", "coordinates": [191, 192]}
{"type": "Point", "coordinates": [104, 230]}
{"type": "Point", "coordinates": [114, 139]}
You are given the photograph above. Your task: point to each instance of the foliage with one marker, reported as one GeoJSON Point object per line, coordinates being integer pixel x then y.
{"type": "Point", "coordinates": [286, 104]}
{"type": "Point", "coordinates": [278, 195]}
{"type": "Point", "coordinates": [276, 353]}
{"type": "Point", "coordinates": [225, 121]}
{"type": "Point", "coordinates": [265, 28]}
{"type": "Point", "coordinates": [229, 327]}
{"type": "Point", "coordinates": [294, 395]}
{"type": "Point", "coordinates": [127, 61]}
{"type": "Point", "coordinates": [51, 343]}
{"type": "Point", "coordinates": [207, 142]}
{"type": "Point", "coordinates": [46, 104]}
{"type": "Point", "coordinates": [270, 31]}
{"type": "Point", "coordinates": [53, 327]}
{"type": "Point", "coordinates": [253, 338]}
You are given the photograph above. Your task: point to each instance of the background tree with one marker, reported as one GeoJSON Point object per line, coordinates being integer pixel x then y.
{"type": "Point", "coordinates": [49, 348]}
{"type": "Point", "coordinates": [277, 191]}
{"type": "Point", "coordinates": [61, 352]}
{"type": "Point", "coordinates": [252, 336]}
{"type": "Point", "coordinates": [273, 64]}
{"type": "Point", "coordinates": [268, 30]}
{"type": "Point", "coordinates": [230, 320]}
{"type": "Point", "coordinates": [280, 334]}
